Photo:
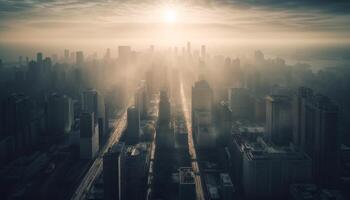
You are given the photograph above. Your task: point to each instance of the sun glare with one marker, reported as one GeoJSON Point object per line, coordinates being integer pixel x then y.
{"type": "Point", "coordinates": [169, 15]}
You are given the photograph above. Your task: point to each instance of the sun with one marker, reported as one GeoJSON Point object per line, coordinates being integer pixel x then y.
{"type": "Point", "coordinates": [169, 15]}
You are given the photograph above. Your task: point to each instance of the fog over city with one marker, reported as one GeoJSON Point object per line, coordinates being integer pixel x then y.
{"type": "Point", "coordinates": [227, 25]}
{"type": "Point", "coordinates": [174, 99]}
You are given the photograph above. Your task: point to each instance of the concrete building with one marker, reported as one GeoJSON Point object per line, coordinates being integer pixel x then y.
{"type": "Point", "coordinates": [93, 101]}
{"type": "Point", "coordinates": [312, 192]}
{"type": "Point", "coordinates": [299, 113]}
{"type": "Point", "coordinates": [133, 126]}
{"type": "Point", "coordinates": [203, 52]}
{"type": "Point", "coordinates": [226, 187]}
{"type": "Point", "coordinates": [316, 132]}
{"type": "Point", "coordinates": [260, 110]}
{"type": "Point", "coordinates": [202, 96]}
{"type": "Point", "coordinates": [268, 170]}
{"type": "Point", "coordinates": [39, 58]}
{"type": "Point", "coordinates": [225, 122]}
{"type": "Point", "coordinates": [59, 114]}
{"type": "Point", "coordinates": [205, 136]}
{"type": "Point", "coordinates": [279, 119]}
{"type": "Point", "coordinates": [202, 103]}
{"type": "Point", "coordinates": [79, 58]}
{"type": "Point", "coordinates": [187, 187]}
{"type": "Point", "coordinates": [241, 103]}
{"type": "Point", "coordinates": [89, 136]}
{"type": "Point", "coordinates": [164, 108]}
{"type": "Point", "coordinates": [141, 99]}
{"type": "Point", "coordinates": [66, 55]}
{"type": "Point", "coordinates": [114, 172]}
{"type": "Point", "coordinates": [165, 136]}
{"type": "Point", "coordinates": [16, 116]}
{"type": "Point", "coordinates": [124, 53]}
{"type": "Point", "coordinates": [138, 162]}
{"type": "Point", "coordinates": [239, 131]}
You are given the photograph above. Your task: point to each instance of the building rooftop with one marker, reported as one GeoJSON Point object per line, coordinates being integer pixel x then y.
{"type": "Point", "coordinates": [225, 179]}
{"type": "Point", "coordinates": [201, 84]}
{"type": "Point", "coordinates": [186, 175]}
{"type": "Point", "coordinates": [116, 148]}
{"type": "Point", "coordinates": [278, 98]}
{"type": "Point", "coordinates": [312, 192]}
{"type": "Point", "coordinates": [255, 148]}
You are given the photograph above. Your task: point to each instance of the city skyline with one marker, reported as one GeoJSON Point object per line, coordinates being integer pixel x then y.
{"type": "Point", "coordinates": [235, 21]}
{"type": "Point", "coordinates": [174, 100]}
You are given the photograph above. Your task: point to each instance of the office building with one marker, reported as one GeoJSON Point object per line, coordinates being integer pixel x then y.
{"type": "Point", "coordinates": [16, 116]}
{"type": "Point", "coordinates": [59, 114]}
{"type": "Point", "coordinates": [165, 137]}
{"type": "Point", "coordinates": [79, 58]}
{"type": "Point", "coordinates": [39, 58]}
{"type": "Point", "coordinates": [300, 100]}
{"type": "Point", "coordinates": [224, 122]}
{"type": "Point", "coordinates": [260, 110]}
{"type": "Point", "coordinates": [268, 170]}
{"type": "Point", "coordinates": [226, 187]}
{"type": "Point", "coordinates": [124, 53]}
{"type": "Point", "coordinates": [316, 132]}
{"type": "Point", "coordinates": [164, 109]}
{"type": "Point", "coordinates": [307, 191]}
{"type": "Point", "coordinates": [202, 97]}
{"type": "Point", "coordinates": [141, 99]}
{"type": "Point", "coordinates": [202, 102]}
{"type": "Point", "coordinates": [133, 126]}
{"type": "Point", "coordinates": [240, 130]}
{"type": "Point", "coordinates": [114, 172]}
{"type": "Point", "coordinates": [279, 119]}
{"type": "Point", "coordinates": [241, 103]}
{"type": "Point", "coordinates": [89, 137]}
{"type": "Point", "coordinates": [203, 52]}
{"type": "Point", "coordinates": [92, 101]}
{"type": "Point", "coordinates": [189, 51]}
{"type": "Point", "coordinates": [66, 55]}
{"type": "Point", "coordinates": [187, 187]}
{"type": "Point", "coordinates": [205, 136]}
{"type": "Point", "coordinates": [138, 160]}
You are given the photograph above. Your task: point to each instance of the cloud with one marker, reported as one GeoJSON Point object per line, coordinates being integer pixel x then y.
{"type": "Point", "coordinates": [87, 17]}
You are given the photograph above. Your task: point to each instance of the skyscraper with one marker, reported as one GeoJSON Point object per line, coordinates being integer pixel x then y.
{"type": "Point", "coordinates": [241, 103]}
{"type": "Point", "coordinates": [165, 138]}
{"type": "Point", "coordinates": [227, 188]}
{"type": "Point", "coordinates": [189, 48]}
{"type": "Point", "coordinates": [141, 99]}
{"type": "Point", "coordinates": [299, 111]}
{"type": "Point", "coordinates": [59, 114]}
{"type": "Point", "coordinates": [164, 108]}
{"type": "Point", "coordinates": [316, 132]}
{"type": "Point", "coordinates": [114, 175]}
{"type": "Point", "coordinates": [66, 55]}
{"type": "Point", "coordinates": [39, 58]}
{"type": "Point", "coordinates": [202, 96]}
{"type": "Point", "coordinates": [124, 53]}
{"type": "Point", "coordinates": [94, 102]}
{"type": "Point", "coordinates": [15, 120]}
{"type": "Point", "coordinates": [79, 58]}
{"type": "Point", "coordinates": [187, 187]}
{"type": "Point", "coordinates": [89, 137]}
{"type": "Point", "coordinates": [108, 55]}
{"type": "Point", "coordinates": [203, 52]}
{"type": "Point", "coordinates": [279, 119]}
{"type": "Point", "coordinates": [133, 127]}
{"type": "Point", "coordinates": [202, 102]}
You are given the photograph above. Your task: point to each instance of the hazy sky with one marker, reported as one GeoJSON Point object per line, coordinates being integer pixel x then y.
{"type": "Point", "coordinates": [222, 20]}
